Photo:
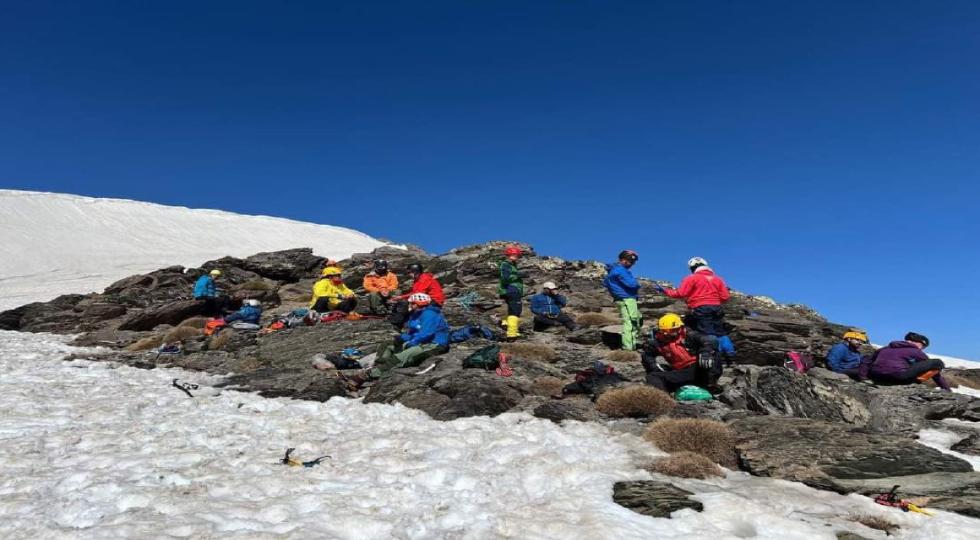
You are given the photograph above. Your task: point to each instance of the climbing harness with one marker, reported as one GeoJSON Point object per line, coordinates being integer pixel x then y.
{"type": "Point", "coordinates": [185, 387]}
{"type": "Point", "coordinates": [891, 499]}
{"type": "Point", "coordinates": [293, 462]}
{"type": "Point", "coordinates": [504, 369]}
{"type": "Point", "coordinates": [467, 299]}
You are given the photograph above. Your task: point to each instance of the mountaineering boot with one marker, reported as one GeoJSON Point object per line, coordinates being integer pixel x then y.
{"type": "Point", "coordinates": [513, 327]}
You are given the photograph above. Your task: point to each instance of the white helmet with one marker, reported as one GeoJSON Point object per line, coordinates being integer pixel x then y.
{"type": "Point", "coordinates": [253, 302]}
{"type": "Point", "coordinates": [419, 298]}
{"type": "Point", "coordinates": [695, 262]}
{"type": "Point", "coordinates": [549, 285]}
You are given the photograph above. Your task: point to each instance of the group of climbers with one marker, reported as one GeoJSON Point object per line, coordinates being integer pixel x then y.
{"type": "Point", "coordinates": [692, 347]}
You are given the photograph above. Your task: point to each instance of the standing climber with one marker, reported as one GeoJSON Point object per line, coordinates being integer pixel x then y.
{"type": "Point", "coordinates": [331, 294]}
{"type": "Point", "coordinates": [903, 362]}
{"type": "Point", "coordinates": [206, 289]}
{"type": "Point", "coordinates": [547, 309]}
{"type": "Point", "coordinates": [845, 357]}
{"type": "Point", "coordinates": [511, 289]}
{"type": "Point", "coordinates": [380, 284]}
{"type": "Point", "coordinates": [705, 292]}
{"type": "Point", "coordinates": [693, 356]}
{"type": "Point", "coordinates": [625, 289]}
{"type": "Point", "coordinates": [422, 282]}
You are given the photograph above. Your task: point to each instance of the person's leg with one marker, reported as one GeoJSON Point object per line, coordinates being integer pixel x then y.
{"type": "Point", "coordinates": [386, 361]}
{"type": "Point", "coordinates": [565, 320]}
{"type": "Point", "coordinates": [542, 323]}
{"type": "Point", "coordinates": [916, 370]}
{"type": "Point", "coordinates": [514, 310]}
{"type": "Point", "coordinates": [414, 356]}
{"type": "Point", "coordinates": [852, 372]}
{"type": "Point", "coordinates": [347, 304]}
{"type": "Point", "coordinates": [376, 304]}
{"type": "Point", "coordinates": [708, 320]}
{"type": "Point", "coordinates": [322, 305]}
{"type": "Point", "coordinates": [632, 321]}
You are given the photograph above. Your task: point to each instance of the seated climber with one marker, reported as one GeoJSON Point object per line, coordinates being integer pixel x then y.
{"type": "Point", "coordinates": [903, 362]}
{"type": "Point", "coordinates": [426, 334]}
{"type": "Point", "coordinates": [380, 284]}
{"type": "Point", "coordinates": [331, 294]}
{"type": "Point", "coordinates": [547, 309]}
{"type": "Point", "coordinates": [693, 356]}
{"type": "Point", "coordinates": [845, 357]}
{"type": "Point", "coordinates": [422, 282]}
{"type": "Point", "coordinates": [250, 313]}
{"type": "Point", "coordinates": [704, 292]}
{"type": "Point", "coordinates": [206, 289]}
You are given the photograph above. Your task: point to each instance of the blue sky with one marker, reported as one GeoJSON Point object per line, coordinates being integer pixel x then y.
{"type": "Point", "coordinates": [825, 153]}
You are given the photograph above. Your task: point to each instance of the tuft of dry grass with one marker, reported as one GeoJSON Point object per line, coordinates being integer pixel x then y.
{"type": "Point", "coordinates": [145, 344]}
{"type": "Point", "coordinates": [219, 341]}
{"type": "Point", "coordinates": [687, 465]}
{"type": "Point", "coordinates": [877, 523]}
{"type": "Point", "coordinates": [623, 356]}
{"type": "Point", "coordinates": [595, 319]}
{"type": "Point", "coordinates": [181, 333]}
{"type": "Point", "coordinates": [530, 351]}
{"type": "Point", "coordinates": [711, 439]}
{"type": "Point", "coordinates": [955, 380]}
{"type": "Point", "coordinates": [194, 322]}
{"type": "Point", "coordinates": [548, 386]}
{"type": "Point", "coordinates": [635, 401]}
{"type": "Point", "coordinates": [255, 285]}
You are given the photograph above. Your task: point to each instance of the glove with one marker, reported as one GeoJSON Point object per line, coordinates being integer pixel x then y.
{"type": "Point", "coordinates": [705, 360]}
{"type": "Point", "coordinates": [659, 289]}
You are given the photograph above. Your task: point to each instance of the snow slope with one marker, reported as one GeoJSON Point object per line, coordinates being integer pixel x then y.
{"type": "Point", "coordinates": [57, 244]}
{"type": "Point", "coordinates": [96, 450]}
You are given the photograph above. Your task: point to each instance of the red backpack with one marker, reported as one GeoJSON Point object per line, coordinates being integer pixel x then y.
{"type": "Point", "coordinates": [799, 362]}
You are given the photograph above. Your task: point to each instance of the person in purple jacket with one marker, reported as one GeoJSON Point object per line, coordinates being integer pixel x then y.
{"type": "Point", "coordinates": [903, 362]}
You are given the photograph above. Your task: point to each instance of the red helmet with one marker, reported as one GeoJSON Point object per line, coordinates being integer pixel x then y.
{"type": "Point", "coordinates": [513, 251]}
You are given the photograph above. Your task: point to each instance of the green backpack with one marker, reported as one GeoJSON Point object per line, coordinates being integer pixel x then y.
{"type": "Point", "coordinates": [692, 393]}
{"type": "Point", "coordinates": [485, 358]}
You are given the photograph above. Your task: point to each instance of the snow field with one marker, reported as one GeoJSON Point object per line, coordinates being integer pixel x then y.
{"type": "Point", "coordinates": [95, 450]}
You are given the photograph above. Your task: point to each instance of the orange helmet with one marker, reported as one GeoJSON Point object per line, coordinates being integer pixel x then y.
{"type": "Point", "coordinates": [513, 251]}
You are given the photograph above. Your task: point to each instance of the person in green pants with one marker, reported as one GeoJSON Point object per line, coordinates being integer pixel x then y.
{"type": "Point", "coordinates": [625, 289]}
{"type": "Point", "coordinates": [426, 335]}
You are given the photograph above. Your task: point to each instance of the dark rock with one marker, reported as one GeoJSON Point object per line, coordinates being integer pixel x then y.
{"type": "Point", "coordinates": [823, 454]}
{"type": "Point", "coordinates": [101, 312]}
{"type": "Point", "coordinates": [846, 535]}
{"type": "Point", "coordinates": [655, 499]}
{"type": "Point", "coordinates": [969, 445]}
{"type": "Point", "coordinates": [954, 492]}
{"type": "Point", "coordinates": [571, 408]}
{"type": "Point", "coordinates": [289, 265]}
{"type": "Point", "coordinates": [171, 313]}
{"type": "Point", "coordinates": [586, 336]}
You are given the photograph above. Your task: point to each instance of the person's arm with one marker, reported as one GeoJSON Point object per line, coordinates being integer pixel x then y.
{"type": "Point", "coordinates": [835, 356]}
{"type": "Point", "coordinates": [723, 291]}
{"type": "Point", "coordinates": [685, 290]}
{"type": "Point", "coordinates": [865, 368]}
{"type": "Point", "coordinates": [392, 283]}
{"type": "Point", "coordinates": [561, 300]}
{"type": "Point", "coordinates": [428, 322]}
{"type": "Point", "coordinates": [236, 316]}
{"type": "Point", "coordinates": [370, 284]}
{"type": "Point", "coordinates": [319, 291]}
{"type": "Point", "coordinates": [538, 305]}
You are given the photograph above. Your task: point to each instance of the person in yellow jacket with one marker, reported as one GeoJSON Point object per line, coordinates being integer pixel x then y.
{"type": "Point", "coordinates": [330, 293]}
{"type": "Point", "coordinates": [381, 285]}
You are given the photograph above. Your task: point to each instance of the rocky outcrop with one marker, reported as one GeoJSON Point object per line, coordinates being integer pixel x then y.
{"type": "Point", "coordinates": [655, 499]}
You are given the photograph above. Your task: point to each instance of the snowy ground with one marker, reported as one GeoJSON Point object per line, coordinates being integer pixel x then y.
{"type": "Point", "coordinates": [87, 244]}
{"type": "Point", "coordinates": [95, 450]}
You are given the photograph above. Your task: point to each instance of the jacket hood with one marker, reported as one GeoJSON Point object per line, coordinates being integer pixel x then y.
{"type": "Point", "coordinates": [902, 345]}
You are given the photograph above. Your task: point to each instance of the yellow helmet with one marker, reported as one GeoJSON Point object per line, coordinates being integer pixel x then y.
{"type": "Point", "coordinates": [856, 334]}
{"type": "Point", "coordinates": [215, 272]}
{"type": "Point", "coordinates": [670, 321]}
{"type": "Point", "coordinates": [330, 271]}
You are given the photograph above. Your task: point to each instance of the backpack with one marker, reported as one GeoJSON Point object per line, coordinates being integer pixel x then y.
{"type": "Point", "coordinates": [692, 393]}
{"type": "Point", "coordinates": [799, 362]}
{"type": "Point", "coordinates": [486, 358]}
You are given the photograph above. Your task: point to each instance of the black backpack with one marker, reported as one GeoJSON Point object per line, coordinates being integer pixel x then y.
{"type": "Point", "coordinates": [486, 358]}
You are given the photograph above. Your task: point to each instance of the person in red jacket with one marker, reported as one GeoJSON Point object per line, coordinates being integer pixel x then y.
{"type": "Point", "coordinates": [423, 282]}
{"type": "Point", "coordinates": [705, 292]}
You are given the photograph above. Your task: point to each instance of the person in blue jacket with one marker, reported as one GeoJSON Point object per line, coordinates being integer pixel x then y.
{"type": "Point", "coordinates": [206, 290]}
{"type": "Point", "coordinates": [845, 357]}
{"type": "Point", "coordinates": [625, 290]}
{"type": "Point", "coordinates": [426, 335]}
{"type": "Point", "coordinates": [250, 312]}
{"type": "Point", "coordinates": [546, 307]}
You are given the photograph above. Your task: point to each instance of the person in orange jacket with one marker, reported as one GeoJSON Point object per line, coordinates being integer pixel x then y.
{"type": "Point", "coordinates": [381, 285]}
{"type": "Point", "coordinates": [705, 292]}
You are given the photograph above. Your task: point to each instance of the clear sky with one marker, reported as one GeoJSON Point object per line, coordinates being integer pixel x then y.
{"type": "Point", "coordinates": [817, 152]}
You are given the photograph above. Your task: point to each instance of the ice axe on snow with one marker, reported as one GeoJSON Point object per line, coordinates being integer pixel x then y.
{"type": "Point", "coordinates": [184, 387]}
{"type": "Point", "coordinates": [293, 462]}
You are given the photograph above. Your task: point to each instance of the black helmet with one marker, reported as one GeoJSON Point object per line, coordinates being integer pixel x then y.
{"type": "Point", "coordinates": [628, 255]}
{"type": "Point", "coordinates": [415, 268]}
{"type": "Point", "coordinates": [380, 265]}
{"type": "Point", "coordinates": [918, 338]}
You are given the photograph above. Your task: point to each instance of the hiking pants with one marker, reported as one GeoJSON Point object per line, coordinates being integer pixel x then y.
{"type": "Point", "coordinates": [214, 306]}
{"type": "Point", "coordinates": [346, 305]}
{"type": "Point", "coordinates": [910, 375]}
{"type": "Point", "coordinates": [378, 303]}
{"type": "Point", "coordinates": [632, 321]}
{"type": "Point", "coordinates": [513, 298]}
{"type": "Point", "coordinates": [707, 320]}
{"type": "Point", "coordinates": [853, 373]}
{"type": "Point", "coordinates": [394, 356]}
{"type": "Point", "coordinates": [543, 322]}
{"type": "Point", "coordinates": [706, 344]}
{"type": "Point", "coordinates": [670, 381]}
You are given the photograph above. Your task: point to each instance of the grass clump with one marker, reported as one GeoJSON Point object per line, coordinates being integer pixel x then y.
{"type": "Point", "coordinates": [956, 381]}
{"type": "Point", "coordinates": [548, 386]}
{"type": "Point", "coordinates": [181, 333]}
{"type": "Point", "coordinates": [219, 341]}
{"type": "Point", "coordinates": [255, 285]}
{"type": "Point", "coordinates": [635, 401]}
{"type": "Point", "coordinates": [623, 356]}
{"type": "Point", "coordinates": [595, 319]}
{"type": "Point", "coordinates": [145, 344]}
{"type": "Point", "coordinates": [194, 322]}
{"type": "Point", "coordinates": [713, 440]}
{"type": "Point", "coordinates": [530, 351]}
{"type": "Point", "coordinates": [687, 465]}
